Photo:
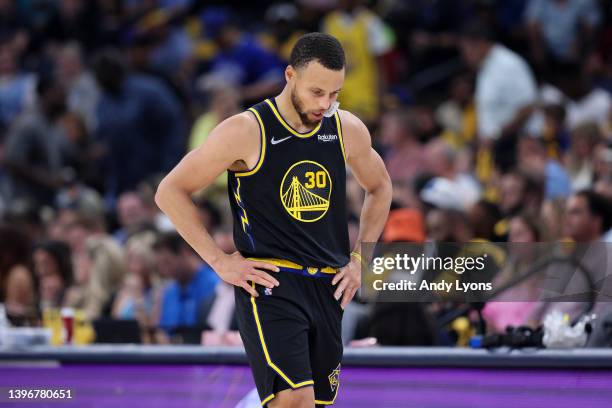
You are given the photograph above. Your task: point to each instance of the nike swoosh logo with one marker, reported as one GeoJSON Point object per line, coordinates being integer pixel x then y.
{"type": "Point", "coordinates": [275, 142]}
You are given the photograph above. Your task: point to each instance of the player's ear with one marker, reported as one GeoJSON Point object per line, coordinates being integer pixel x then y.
{"type": "Point", "coordinates": [290, 73]}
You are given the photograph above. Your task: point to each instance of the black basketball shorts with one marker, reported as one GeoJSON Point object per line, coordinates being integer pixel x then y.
{"type": "Point", "coordinates": [292, 334]}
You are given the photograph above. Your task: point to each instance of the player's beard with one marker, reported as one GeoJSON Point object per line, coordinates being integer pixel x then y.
{"type": "Point", "coordinates": [299, 108]}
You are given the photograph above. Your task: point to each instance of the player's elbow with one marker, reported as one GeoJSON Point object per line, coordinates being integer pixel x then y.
{"type": "Point", "coordinates": [387, 189]}
{"type": "Point", "coordinates": [163, 193]}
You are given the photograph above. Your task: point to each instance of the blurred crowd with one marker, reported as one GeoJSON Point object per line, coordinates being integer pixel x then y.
{"type": "Point", "coordinates": [494, 119]}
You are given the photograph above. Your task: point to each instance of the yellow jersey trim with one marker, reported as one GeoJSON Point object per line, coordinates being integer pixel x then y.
{"type": "Point", "coordinates": [329, 402]}
{"type": "Point", "coordinates": [267, 399]}
{"type": "Point", "coordinates": [288, 127]}
{"type": "Point", "coordinates": [339, 126]}
{"type": "Point", "coordinates": [262, 151]}
{"type": "Point", "coordinates": [265, 349]}
{"type": "Point", "coordinates": [283, 263]}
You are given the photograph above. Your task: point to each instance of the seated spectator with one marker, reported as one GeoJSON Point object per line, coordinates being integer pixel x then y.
{"type": "Point", "coordinates": [132, 213]}
{"type": "Point", "coordinates": [442, 162]}
{"type": "Point", "coordinates": [399, 136]}
{"type": "Point", "coordinates": [140, 294]}
{"type": "Point", "coordinates": [552, 214]}
{"type": "Point", "coordinates": [218, 310]}
{"type": "Point", "coordinates": [16, 278]}
{"type": "Point", "coordinates": [53, 269]}
{"type": "Point", "coordinates": [193, 281]}
{"type": "Point", "coordinates": [98, 273]}
{"type": "Point", "coordinates": [533, 160]}
{"type": "Point", "coordinates": [515, 306]}
{"type": "Point", "coordinates": [457, 115]}
{"type": "Point", "coordinates": [579, 159]}
{"type": "Point", "coordinates": [555, 132]}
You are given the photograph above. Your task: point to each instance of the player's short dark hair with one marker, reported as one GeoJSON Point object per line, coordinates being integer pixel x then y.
{"type": "Point", "coordinates": [320, 47]}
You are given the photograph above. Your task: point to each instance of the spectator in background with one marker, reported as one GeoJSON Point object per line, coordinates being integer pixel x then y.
{"type": "Point", "coordinates": [53, 270]}
{"type": "Point", "coordinates": [579, 160]}
{"type": "Point", "coordinates": [98, 272]}
{"type": "Point", "coordinates": [458, 114]}
{"type": "Point", "coordinates": [82, 92]}
{"type": "Point", "coordinates": [399, 136]}
{"type": "Point", "coordinates": [365, 38]}
{"type": "Point", "coordinates": [483, 216]}
{"type": "Point", "coordinates": [574, 86]}
{"type": "Point", "coordinates": [17, 89]}
{"type": "Point", "coordinates": [450, 188]}
{"type": "Point", "coordinates": [533, 160]}
{"type": "Point", "coordinates": [224, 102]}
{"type": "Point", "coordinates": [560, 30]}
{"type": "Point", "coordinates": [588, 216]}
{"type": "Point", "coordinates": [35, 148]}
{"type": "Point", "coordinates": [503, 106]}
{"type": "Point", "coordinates": [141, 123]}
{"type": "Point", "coordinates": [518, 193]}
{"type": "Point", "coordinates": [516, 306]}
{"type": "Point", "coordinates": [132, 213]}
{"type": "Point", "coordinates": [17, 290]}
{"type": "Point", "coordinates": [241, 61]}
{"type": "Point", "coordinates": [447, 226]}
{"type": "Point", "coordinates": [282, 32]}
{"type": "Point", "coordinates": [552, 214]}
{"type": "Point", "coordinates": [77, 226]}
{"type": "Point", "coordinates": [555, 132]}
{"type": "Point", "coordinates": [219, 310]}
{"type": "Point", "coordinates": [141, 292]}
{"type": "Point", "coordinates": [193, 281]}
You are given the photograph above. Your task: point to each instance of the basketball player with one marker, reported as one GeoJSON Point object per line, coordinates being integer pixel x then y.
{"type": "Point", "coordinates": [294, 271]}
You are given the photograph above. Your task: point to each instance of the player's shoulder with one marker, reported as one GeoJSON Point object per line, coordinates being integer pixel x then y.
{"type": "Point", "coordinates": [241, 127]}
{"type": "Point", "coordinates": [244, 122]}
{"type": "Point", "coordinates": [354, 132]}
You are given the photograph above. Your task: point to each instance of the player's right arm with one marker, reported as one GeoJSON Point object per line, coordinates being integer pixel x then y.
{"type": "Point", "coordinates": [233, 144]}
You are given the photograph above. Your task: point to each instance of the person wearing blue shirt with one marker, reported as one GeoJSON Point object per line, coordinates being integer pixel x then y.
{"type": "Point", "coordinates": [193, 282]}
{"type": "Point", "coordinates": [141, 123]}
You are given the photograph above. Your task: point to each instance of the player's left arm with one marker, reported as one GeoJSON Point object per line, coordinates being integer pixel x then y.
{"type": "Point", "coordinates": [369, 170]}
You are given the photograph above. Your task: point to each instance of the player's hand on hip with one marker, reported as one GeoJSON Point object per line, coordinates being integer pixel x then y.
{"type": "Point", "coordinates": [238, 271]}
{"type": "Point", "coordinates": [348, 279]}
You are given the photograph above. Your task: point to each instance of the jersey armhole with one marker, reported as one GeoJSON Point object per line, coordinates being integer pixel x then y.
{"type": "Point", "coordinates": [262, 147]}
{"type": "Point", "coordinates": [339, 127]}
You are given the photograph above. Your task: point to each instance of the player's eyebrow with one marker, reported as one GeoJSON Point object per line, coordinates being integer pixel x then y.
{"type": "Point", "coordinates": [316, 89]}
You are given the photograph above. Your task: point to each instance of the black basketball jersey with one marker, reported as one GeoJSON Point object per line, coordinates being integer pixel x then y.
{"type": "Point", "coordinates": [292, 204]}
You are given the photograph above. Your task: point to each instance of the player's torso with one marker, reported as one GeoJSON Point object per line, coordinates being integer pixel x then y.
{"type": "Point", "coordinates": [292, 205]}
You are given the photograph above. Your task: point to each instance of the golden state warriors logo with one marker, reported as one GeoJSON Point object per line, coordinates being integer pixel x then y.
{"type": "Point", "coordinates": [306, 190]}
{"type": "Point", "coordinates": [334, 378]}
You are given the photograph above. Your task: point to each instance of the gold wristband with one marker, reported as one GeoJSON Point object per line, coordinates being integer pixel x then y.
{"type": "Point", "coordinates": [358, 256]}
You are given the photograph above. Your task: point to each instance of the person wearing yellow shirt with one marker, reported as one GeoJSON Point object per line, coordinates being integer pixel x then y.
{"type": "Point", "coordinates": [365, 37]}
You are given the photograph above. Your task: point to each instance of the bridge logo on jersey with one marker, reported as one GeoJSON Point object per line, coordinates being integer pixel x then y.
{"type": "Point", "coordinates": [306, 191]}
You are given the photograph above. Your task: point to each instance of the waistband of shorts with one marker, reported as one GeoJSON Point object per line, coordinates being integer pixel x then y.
{"type": "Point", "coordinates": [292, 267]}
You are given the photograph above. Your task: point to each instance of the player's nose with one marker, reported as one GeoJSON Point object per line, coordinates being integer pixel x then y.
{"type": "Point", "coordinates": [324, 103]}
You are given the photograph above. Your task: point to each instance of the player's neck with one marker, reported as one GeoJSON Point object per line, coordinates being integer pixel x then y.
{"type": "Point", "coordinates": [289, 114]}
